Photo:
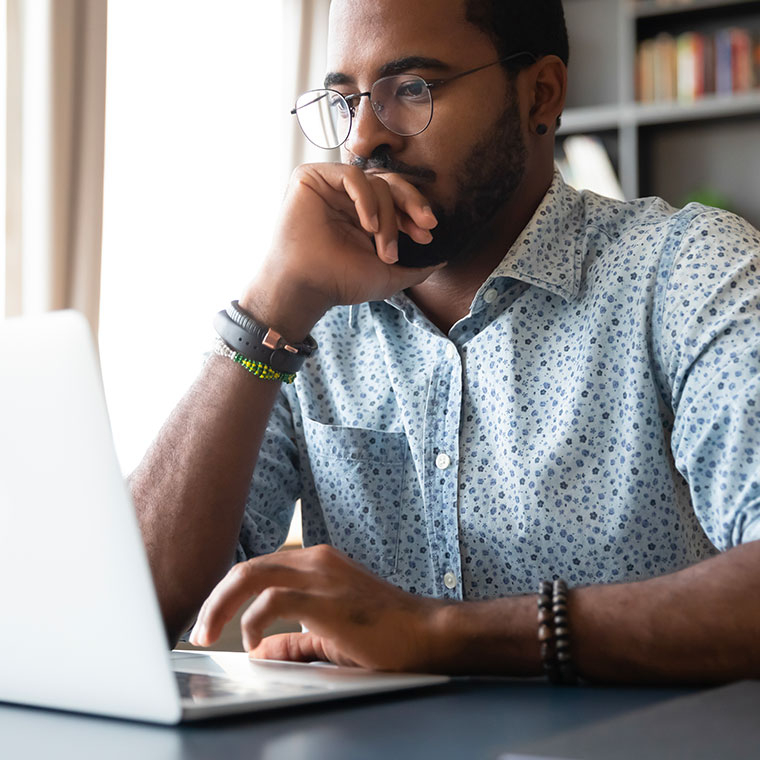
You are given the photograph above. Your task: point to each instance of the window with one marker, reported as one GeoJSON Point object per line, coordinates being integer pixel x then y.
{"type": "Point", "coordinates": [3, 147]}
{"type": "Point", "coordinates": [195, 169]}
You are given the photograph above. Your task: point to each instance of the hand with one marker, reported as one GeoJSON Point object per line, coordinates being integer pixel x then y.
{"type": "Point", "coordinates": [323, 254]}
{"type": "Point", "coordinates": [353, 617]}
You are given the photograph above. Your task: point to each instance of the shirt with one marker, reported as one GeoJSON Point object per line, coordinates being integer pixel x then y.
{"type": "Point", "coordinates": [593, 417]}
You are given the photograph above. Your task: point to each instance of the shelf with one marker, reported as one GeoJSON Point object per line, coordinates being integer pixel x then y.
{"type": "Point", "coordinates": [650, 8]}
{"type": "Point", "coordinates": [708, 107]}
{"type": "Point", "coordinates": [665, 149]}
{"type": "Point", "coordinates": [603, 118]}
{"type": "Point", "coordinates": [593, 119]}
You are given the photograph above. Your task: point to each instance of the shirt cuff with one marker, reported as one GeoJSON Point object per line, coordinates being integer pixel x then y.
{"type": "Point", "coordinates": [751, 531]}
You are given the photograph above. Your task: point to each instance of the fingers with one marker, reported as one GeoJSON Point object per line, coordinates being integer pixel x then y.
{"type": "Point", "coordinates": [276, 603]}
{"type": "Point", "coordinates": [240, 584]}
{"type": "Point", "coordinates": [380, 204]}
{"type": "Point", "coordinates": [405, 224]}
{"type": "Point", "coordinates": [414, 207]}
{"type": "Point", "coordinates": [374, 202]}
{"type": "Point", "coordinates": [386, 239]}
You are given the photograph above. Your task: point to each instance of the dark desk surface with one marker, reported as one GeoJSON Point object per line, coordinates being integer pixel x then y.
{"type": "Point", "coordinates": [463, 720]}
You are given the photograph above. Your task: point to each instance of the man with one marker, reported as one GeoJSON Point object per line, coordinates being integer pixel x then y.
{"type": "Point", "coordinates": [555, 386]}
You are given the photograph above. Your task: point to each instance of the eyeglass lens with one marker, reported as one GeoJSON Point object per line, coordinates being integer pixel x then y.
{"type": "Point", "coordinates": [403, 104]}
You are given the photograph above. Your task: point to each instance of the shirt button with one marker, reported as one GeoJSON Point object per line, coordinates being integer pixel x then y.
{"type": "Point", "coordinates": [442, 461]}
{"type": "Point", "coordinates": [450, 580]}
{"type": "Point", "coordinates": [490, 295]}
{"type": "Point", "coordinates": [451, 352]}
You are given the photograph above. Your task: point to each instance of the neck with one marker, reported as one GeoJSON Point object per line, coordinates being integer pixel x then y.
{"type": "Point", "coordinates": [446, 295]}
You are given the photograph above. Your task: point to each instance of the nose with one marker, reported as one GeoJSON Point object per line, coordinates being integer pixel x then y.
{"type": "Point", "coordinates": [368, 133]}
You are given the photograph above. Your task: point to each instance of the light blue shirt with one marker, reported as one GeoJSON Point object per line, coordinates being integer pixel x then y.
{"type": "Point", "coordinates": [596, 415]}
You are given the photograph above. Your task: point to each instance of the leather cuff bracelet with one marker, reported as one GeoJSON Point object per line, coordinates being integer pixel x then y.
{"type": "Point", "coordinates": [241, 332]}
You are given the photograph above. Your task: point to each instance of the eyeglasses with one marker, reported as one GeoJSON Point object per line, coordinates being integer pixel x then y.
{"type": "Point", "coordinates": [402, 102]}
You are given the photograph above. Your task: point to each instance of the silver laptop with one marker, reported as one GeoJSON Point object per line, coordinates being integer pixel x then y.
{"type": "Point", "coordinates": [81, 628]}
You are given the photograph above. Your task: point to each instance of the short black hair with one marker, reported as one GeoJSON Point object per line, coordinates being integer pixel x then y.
{"type": "Point", "coordinates": [535, 26]}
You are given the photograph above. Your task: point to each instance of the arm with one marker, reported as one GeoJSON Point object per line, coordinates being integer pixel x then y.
{"type": "Point", "coordinates": [699, 625]}
{"type": "Point", "coordinates": [191, 487]}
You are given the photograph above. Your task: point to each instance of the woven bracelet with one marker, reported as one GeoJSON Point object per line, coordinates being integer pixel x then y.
{"type": "Point", "coordinates": [554, 633]}
{"type": "Point", "coordinates": [258, 369]}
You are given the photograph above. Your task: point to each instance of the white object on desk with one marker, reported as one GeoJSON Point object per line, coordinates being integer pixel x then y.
{"type": "Point", "coordinates": [73, 569]}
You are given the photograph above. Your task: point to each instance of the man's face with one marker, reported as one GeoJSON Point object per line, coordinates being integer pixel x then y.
{"type": "Point", "coordinates": [471, 158]}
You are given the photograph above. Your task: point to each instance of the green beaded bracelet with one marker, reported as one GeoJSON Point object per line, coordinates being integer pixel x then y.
{"type": "Point", "coordinates": [257, 369]}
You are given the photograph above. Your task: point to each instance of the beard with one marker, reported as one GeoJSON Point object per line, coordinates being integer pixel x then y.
{"type": "Point", "coordinates": [486, 180]}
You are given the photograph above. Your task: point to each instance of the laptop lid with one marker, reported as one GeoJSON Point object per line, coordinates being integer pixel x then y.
{"type": "Point", "coordinates": [74, 577]}
{"type": "Point", "coordinates": [84, 630]}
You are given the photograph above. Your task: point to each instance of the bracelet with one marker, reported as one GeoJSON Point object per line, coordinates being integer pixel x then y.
{"type": "Point", "coordinates": [259, 343]}
{"type": "Point", "coordinates": [258, 369]}
{"type": "Point", "coordinates": [554, 633]}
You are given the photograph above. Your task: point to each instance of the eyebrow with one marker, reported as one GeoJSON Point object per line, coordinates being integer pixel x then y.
{"type": "Point", "coordinates": [399, 66]}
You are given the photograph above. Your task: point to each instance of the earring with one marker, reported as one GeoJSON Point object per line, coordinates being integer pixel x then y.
{"type": "Point", "coordinates": [542, 129]}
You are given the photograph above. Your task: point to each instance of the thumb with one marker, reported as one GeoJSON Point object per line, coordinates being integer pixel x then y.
{"type": "Point", "coordinates": [295, 647]}
{"type": "Point", "coordinates": [405, 277]}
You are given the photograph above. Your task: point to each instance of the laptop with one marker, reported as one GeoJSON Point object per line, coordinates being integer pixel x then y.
{"type": "Point", "coordinates": [81, 626]}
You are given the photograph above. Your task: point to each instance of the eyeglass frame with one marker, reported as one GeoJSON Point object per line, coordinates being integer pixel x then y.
{"type": "Point", "coordinates": [431, 84]}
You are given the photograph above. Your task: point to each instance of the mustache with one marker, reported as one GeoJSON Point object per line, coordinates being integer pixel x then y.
{"type": "Point", "coordinates": [382, 159]}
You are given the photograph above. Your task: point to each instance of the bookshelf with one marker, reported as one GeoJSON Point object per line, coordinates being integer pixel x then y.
{"type": "Point", "coordinates": [669, 148]}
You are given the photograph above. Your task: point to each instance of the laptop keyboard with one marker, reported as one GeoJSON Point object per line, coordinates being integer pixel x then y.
{"type": "Point", "coordinates": [200, 687]}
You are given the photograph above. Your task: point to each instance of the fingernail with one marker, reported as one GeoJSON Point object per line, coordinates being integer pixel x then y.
{"type": "Point", "coordinates": [429, 213]}
{"type": "Point", "coordinates": [375, 222]}
{"type": "Point", "coordinates": [391, 251]}
{"type": "Point", "coordinates": [428, 238]}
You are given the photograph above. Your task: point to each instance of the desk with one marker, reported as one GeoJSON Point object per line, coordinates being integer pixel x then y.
{"type": "Point", "coordinates": [462, 720]}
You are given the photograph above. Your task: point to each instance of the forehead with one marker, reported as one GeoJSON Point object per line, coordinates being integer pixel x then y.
{"type": "Point", "coordinates": [365, 34]}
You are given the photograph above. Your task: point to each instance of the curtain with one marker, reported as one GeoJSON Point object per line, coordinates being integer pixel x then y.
{"type": "Point", "coordinates": [304, 61]}
{"type": "Point", "coordinates": [56, 130]}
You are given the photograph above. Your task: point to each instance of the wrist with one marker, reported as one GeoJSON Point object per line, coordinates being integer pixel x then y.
{"type": "Point", "coordinates": [291, 313]}
{"type": "Point", "coordinates": [494, 636]}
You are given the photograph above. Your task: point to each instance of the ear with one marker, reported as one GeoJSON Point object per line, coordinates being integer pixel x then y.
{"type": "Point", "coordinates": [548, 89]}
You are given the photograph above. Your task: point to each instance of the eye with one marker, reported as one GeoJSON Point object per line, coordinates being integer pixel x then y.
{"type": "Point", "coordinates": [339, 104]}
{"type": "Point", "coordinates": [412, 89]}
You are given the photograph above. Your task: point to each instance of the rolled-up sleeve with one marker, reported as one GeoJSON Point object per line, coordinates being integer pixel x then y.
{"type": "Point", "coordinates": [707, 339]}
{"type": "Point", "coordinates": [275, 486]}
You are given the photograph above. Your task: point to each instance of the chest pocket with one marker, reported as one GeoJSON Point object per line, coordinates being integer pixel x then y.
{"type": "Point", "coordinates": [358, 479]}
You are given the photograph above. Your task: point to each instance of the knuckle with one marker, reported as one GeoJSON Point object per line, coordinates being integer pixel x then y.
{"type": "Point", "coordinates": [271, 597]}
{"type": "Point", "coordinates": [239, 572]}
{"type": "Point", "coordinates": [299, 173]}
{"type": "Point", "coordinates": [353, 173]}
{"type": "Point", "coordinates": [323, 551]}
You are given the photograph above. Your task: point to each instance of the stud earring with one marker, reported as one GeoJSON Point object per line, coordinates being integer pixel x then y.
{"type": "Point", "coordinates": [542, 129]}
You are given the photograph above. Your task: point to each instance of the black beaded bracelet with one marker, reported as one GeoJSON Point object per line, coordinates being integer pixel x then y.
{"type": "Point", "coordinates": [554, 633]}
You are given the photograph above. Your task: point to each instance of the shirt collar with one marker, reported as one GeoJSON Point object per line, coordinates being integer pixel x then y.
{"type": "Point", "coordinates": [549, 251]}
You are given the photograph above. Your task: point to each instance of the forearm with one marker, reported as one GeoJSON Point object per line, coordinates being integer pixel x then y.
{"type": "Point", "coordinates": [699, 625]}
{"type": "Point", "coordinates": [190, 488]}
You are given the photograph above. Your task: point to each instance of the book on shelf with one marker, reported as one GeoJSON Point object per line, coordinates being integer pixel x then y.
{"type": "Point", "coordinates": [690, 65]}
